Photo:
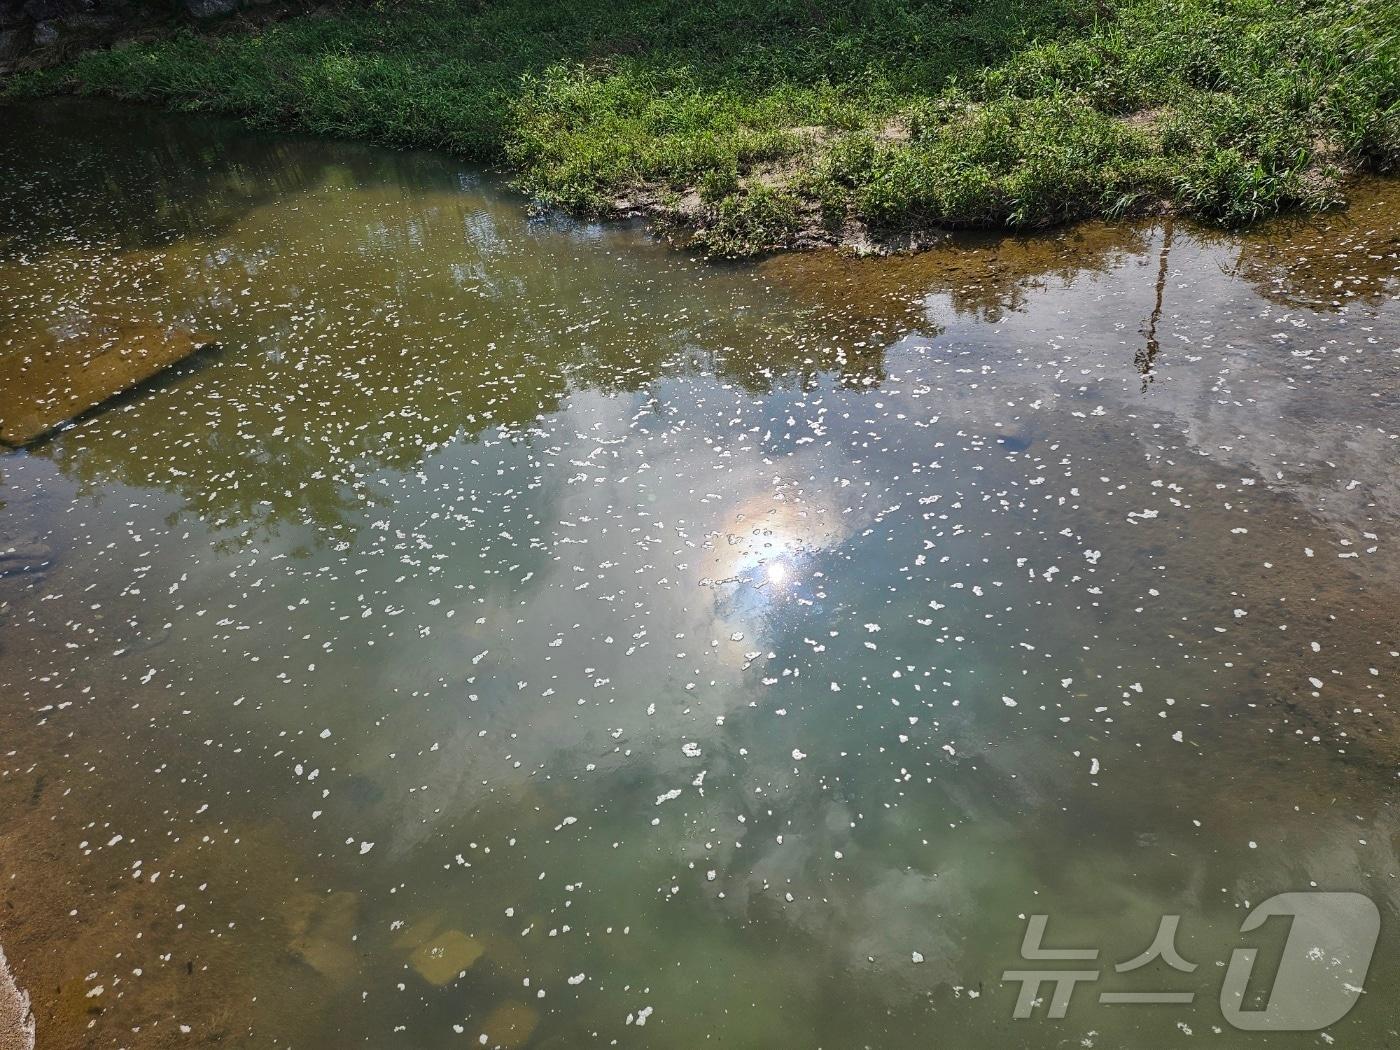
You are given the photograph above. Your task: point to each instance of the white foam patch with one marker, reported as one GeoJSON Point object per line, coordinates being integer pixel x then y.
{"type": "Point", "coordinates": [16, 1022]}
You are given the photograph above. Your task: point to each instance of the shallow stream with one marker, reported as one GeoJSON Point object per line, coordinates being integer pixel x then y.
{"type": "Point", "coordinates": [515, 632]}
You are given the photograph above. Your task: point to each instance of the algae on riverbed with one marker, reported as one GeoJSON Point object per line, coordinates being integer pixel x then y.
{"type": "Point", "coordinates": [753, 125]}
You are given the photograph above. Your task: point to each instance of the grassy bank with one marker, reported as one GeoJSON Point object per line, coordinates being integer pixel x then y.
{"type": "Point", "coordinates": [761, 123]}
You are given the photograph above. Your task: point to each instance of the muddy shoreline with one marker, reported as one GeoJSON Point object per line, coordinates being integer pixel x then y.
{"type": "Point", "coordinates": [16, 1020]}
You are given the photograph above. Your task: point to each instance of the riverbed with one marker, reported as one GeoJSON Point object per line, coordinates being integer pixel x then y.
{"type": "Point", "coordinates": [513, 631]}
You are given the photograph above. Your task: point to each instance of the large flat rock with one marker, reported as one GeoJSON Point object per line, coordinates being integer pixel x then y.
{"type": "Point", "coordinates": [42, 388]}
{"type": "Point", "coordinates": [443, 958]}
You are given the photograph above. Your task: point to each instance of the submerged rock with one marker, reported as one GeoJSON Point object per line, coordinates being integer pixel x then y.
{"type": "Point", "coordinates": [510, 1024]}
{"type": "Point", "coordinates": [1015, 442]}
{"type": "Point", "coordinates": [39, 391]}
{"type": "Point", "coordinates": [26, 555]}
{"type": "Point", "coordinates": [437, 952]}
{"type": "Point", "coordinates": [323, 932]}
{"type": "Point", "coordinates": [442, 958]}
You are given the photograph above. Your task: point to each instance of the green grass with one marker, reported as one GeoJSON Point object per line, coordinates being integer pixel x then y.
{"type": "Point", "coordinates": [755, 123]}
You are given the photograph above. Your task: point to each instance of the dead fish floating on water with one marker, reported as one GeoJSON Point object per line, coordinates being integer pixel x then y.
{"type": "Point", "coordinates": [44, 389]}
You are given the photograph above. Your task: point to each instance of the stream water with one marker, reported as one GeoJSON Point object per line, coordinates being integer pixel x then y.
{"type": "Point", "coordinates": [515, 632]}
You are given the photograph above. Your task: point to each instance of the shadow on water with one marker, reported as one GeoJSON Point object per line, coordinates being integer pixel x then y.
{"type": "Point", "coordinates": [182, 177]}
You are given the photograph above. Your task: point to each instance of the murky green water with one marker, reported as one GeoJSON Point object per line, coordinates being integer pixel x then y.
{"type": "Point", "coordinates": [517, 633]}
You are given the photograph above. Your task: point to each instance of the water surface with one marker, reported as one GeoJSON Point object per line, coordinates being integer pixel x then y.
{"type": "Point", "coordinates": [519, 633]}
